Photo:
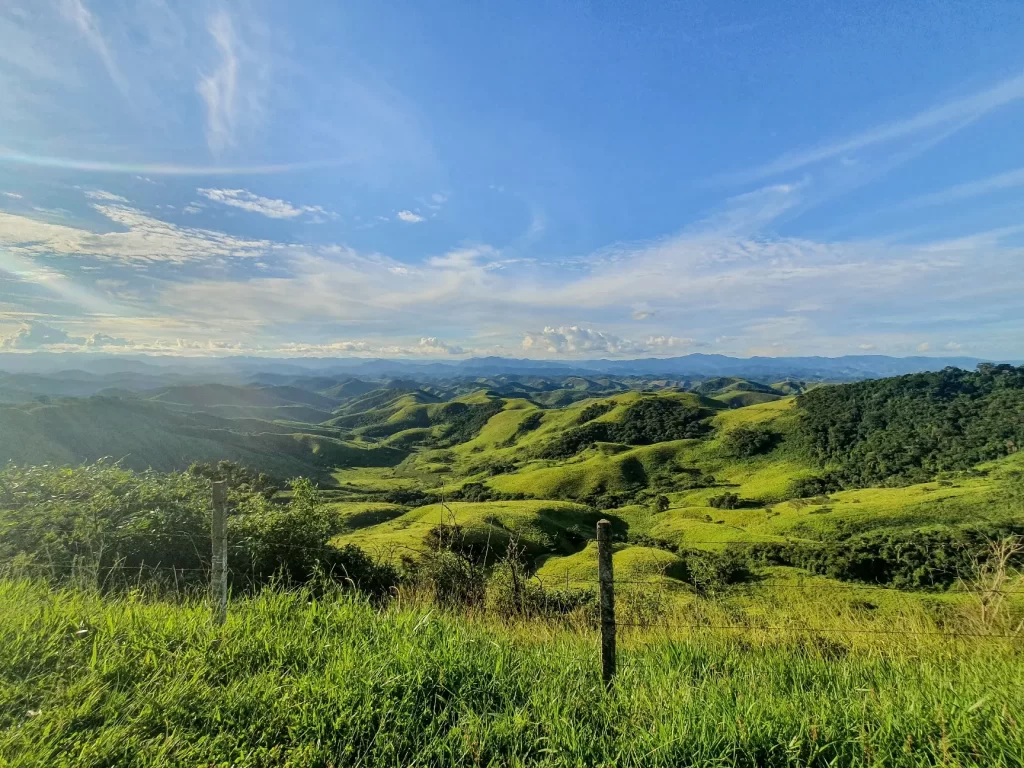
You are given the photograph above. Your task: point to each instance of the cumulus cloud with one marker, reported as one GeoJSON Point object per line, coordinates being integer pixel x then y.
{"type": "Point", "coordinates": [35, 335]}
{"type": "Point", "coordinates": [576, 340]}
{"type": "Point", "coordinates": [431, 345]}
{"type": "Point", "coordinates": [924, 347]}
{"type": "Point", "coordinates": [105, 340]}
{"type": "Point", "coordinates": [410, 218]}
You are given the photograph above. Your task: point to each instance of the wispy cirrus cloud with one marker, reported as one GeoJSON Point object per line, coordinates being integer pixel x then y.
{"type": "Point", "coordinates": [1000, 181]}
{"type": "Point", "coordinates": [219, 89]}
{"type": "Point", "coordinates": [76, 12]}
{"type": "Point", "coordinates": [947, 118]}
{"type": "Point", "coordinates": [265, 206]}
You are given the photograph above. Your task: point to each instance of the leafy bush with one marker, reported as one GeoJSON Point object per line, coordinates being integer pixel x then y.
{"type": "Point", "coordinates": [810, 487]}
{"type": "Point", "coordinates": [120, 525]}
{"type": "Point", "coordinates": [726, 500]}
{"type": "Point", "coordinates": [749, 440]}
{"type": "Point", "coordinates": [452, 580]}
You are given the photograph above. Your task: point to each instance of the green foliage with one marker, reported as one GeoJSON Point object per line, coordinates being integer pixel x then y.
{"type": "Point", "coordinates": [749, 440]}
{"type": "Point", "coordinates": [300, 679]}
{"type": "Point", "coordinates": [650, 420]}
{"type": "Point", "coordinates": [464, 421]}
{"type": "Point", "coordinates": [99, 516]}
{"type": "Point", "coordinates": [726, 500]}
{"type": "Point", "coordinates": [907, 429]}
{"type": "Point", "coordinates": [594, 410]}
{"type": "Point", "coordinates": [925, 559]}
{"type": "Point", "coordinates": [812, 486]}
{"type": "Point", "coordinates": [240, 480]}
{"type": "Point", "coordinates": [452, 579]}
{"type": "Point", "coordinates": [117, 525]}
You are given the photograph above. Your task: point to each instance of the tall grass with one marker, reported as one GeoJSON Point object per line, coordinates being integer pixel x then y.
{"type": "Point", "coordinates": [296, 678]}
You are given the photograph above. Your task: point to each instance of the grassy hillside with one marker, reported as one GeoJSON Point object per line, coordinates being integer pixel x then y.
{"type": "Point", "coordinates": [325, 679]}
{"type": "Point", "coordinates": [148, 434]}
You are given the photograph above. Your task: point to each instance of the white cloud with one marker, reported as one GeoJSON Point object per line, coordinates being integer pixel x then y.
{"type": "Point", "coordinates": [265, 206]}
{"type": "Point", "coordinates": [247, 201]}
{"type": "Point", "coordinates": [99, 194]}
{"type": "Point", "coordinates": [233, 91]}
{"type": "Point", "coordinates": [924, 347]}
{"type": "Point", "coordinates": [1008, 180]}
{"type": "Point", "coordinates": [409, 217]}
{"type": "Point", "coordinates": [76, 12]}
{"type": "Point", "coordinates": [193, 208]}
{"type": "Point", "coordinates": [105, 340]}
{"type": "Point", "coordinates": [146, 239]}
{"type": "Point", "coordinates": [642, 314]}
{"type": "Point", "coordinates": [574, 340]}
{"type": "Point", "coordinates": [866, 347]}
{"type": "Point", "coordinates": [426, 347]}
{"type": "Point", "coordinates": [947, 118]}
{"type": "Point", "coordinates": [35, 335]}
{"type": "Point", "coordinates": [952, 346]}
{"type": "Point", "coordinates": [15, 195]}
{"type": "Point", "coordinates": [432, 346]}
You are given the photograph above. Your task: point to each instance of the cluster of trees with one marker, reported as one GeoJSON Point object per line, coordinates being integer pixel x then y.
{"type": "Point", "coordinates": [906, 429]}
{"type": "Point", "coordinates": [594, 410]}
{"type": "Point", "coordinates": [464, 421]}
{"type": "Point", "coordinates": [925, 559]}
{"type": "Point", "coordinates": [651, 420]}
{"type": "Point", "coordinates": [119, 526]}
{"type": "Point", "coordinates": [749, 440]}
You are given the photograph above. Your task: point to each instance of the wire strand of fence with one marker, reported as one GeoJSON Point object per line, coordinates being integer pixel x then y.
{"type": "Point", "coordinates": [819, 630]}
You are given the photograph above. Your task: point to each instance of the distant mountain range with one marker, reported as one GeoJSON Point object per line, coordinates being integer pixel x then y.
{"type": "Point", "coordinates": [846, 368]}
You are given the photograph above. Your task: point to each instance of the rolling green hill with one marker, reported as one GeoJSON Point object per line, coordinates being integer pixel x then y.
{"type": "Point", "coordinates": [144, 434]}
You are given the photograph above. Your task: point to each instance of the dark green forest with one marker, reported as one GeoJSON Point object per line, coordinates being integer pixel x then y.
{"type": "Point", "coordinates": [910, 428]}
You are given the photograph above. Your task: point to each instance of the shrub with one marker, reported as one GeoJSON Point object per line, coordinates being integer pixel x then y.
{"type": "Point", "coordinates": [726, 500]}
{"type": "Point", "coordinates": [746, 441]}
{"type": "Point", "coordinates": [452, 580]}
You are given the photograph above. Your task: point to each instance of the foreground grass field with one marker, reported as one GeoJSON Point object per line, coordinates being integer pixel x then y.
{"type": "Point", "coordinates": [295, 679]}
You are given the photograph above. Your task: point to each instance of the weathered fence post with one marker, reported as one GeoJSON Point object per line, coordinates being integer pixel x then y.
{"type": "Point", "coordinates": [219, 561]}
{"type": "Point", "coordinates": [606, 578]}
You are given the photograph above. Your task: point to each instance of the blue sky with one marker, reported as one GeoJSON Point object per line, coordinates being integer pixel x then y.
{"type": "Point", "coordinates": [551, 180]}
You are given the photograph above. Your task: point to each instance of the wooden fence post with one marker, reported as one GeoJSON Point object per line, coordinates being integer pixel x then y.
{"type": "Point", "coordinates": [219, 561]}
{"type": "Point", "coordinates": [606, 578]}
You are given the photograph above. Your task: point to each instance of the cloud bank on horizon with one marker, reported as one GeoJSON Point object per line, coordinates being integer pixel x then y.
{"type": "Point", "coordinates": [253, 178]}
